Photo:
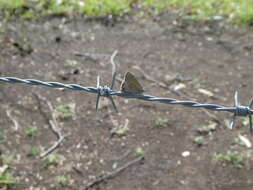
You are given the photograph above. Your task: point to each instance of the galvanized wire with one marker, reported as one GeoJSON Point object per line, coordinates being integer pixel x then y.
{"type": "Point", "coordinates": [238, 110]}
{"type": "Point", "coordinates": [106, 91]}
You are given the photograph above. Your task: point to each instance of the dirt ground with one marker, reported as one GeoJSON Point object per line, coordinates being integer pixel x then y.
{"type": "Point", "coordinates": [175, 53]}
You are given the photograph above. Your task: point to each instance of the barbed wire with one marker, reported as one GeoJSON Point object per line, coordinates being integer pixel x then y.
{"type": "Point", "coordinates": [238, 110]}
{"type": "Point", "coordinates": [108, 92]}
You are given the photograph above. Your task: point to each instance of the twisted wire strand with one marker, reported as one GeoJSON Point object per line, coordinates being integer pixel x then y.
{"type": "Point", "coordinates": [237, 110]}
{"type": "Point", "coordinates": [48, 84]}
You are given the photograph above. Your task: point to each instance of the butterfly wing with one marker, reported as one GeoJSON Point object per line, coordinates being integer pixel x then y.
{"type": "Point", "coordinates": [131, 85]}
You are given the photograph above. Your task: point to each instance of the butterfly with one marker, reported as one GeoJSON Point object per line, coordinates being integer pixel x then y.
{"type": "Point", "coordinates": [131, 85]}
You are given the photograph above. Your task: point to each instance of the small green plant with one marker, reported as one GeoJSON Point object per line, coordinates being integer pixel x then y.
{"type": "Point", "coordinates": [65, 111]}
{"type": "Point", "coordinates": [62, 180]}
{"type": "Point", "coordinates": [207, 129]}
{"type": "Point", "coordinates": [31, 132]}
{"type": "Point", "coordinates": [139, 152]}
{"type": "Point", "coordinates": [120, 130]}
{"type": "Point", "coordinates": [52, 159]}
{"type": "Point", "coordinates": [234, 158]}
{"type": "Point", "coordinates": [6, 178]}
{"type": "Point", "coordinates": [198, 140]}
{"type": "Point", "coordinates": [159, 122]}
{"type": "Point", "coordinates": [33, 151]}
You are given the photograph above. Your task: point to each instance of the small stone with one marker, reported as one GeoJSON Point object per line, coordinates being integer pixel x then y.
{"type": "Point", "coordinates": [186, 153]}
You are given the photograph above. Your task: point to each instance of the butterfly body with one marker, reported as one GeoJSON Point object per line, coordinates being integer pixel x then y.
{"type": "Point", "coordinates": [131, 85]}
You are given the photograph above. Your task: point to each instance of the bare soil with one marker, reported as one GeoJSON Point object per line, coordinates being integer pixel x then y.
{"type": "Point", "coordinates": [206, 55]}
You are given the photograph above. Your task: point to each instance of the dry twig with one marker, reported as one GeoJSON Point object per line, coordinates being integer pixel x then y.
{"type": "Point", "coordinates": [111, 175]}
{"type": "Point", "coordinates": [16, 125]}
{"type": "Point", "coordinates": [52, 148]}
{"type": "Point", "coordinates": [53, 124]}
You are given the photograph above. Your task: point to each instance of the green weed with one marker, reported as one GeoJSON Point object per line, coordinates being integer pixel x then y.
{"type": "Point", "coordinates": [31, 132]}
{"type": "Point", "coordinates": [198, 140]}
{"type": "Point", "coordinates": [62, 180]}
{"type": "Point", "coordinates": [65, 111]}
{"type": "Point", "coordinates": [6, 178]}
{"type": "Point", "coordinates": [33, 151]}
{"type": "Point", "coordinates": [207, 129]}
{"type": "Point", "coordinates": [52, 159]}
{"type": "Point", "coordinates": [139, 152]}
{"type": "Point", "coordinates": [159, 122]}
{"type": "Point", "coordinates": [120, 130]}
{"type": "Point", "coordinates": [240, 12]}
{"type": "Point", "coordinates": [234, 158]}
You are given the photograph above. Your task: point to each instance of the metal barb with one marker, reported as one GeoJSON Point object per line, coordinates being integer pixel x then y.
{"type": "Point", "coordinates": [241, 111]}
{"type": "Point", "coordinates": [108, 93]}
{"type": "Point", "coordinates": [237, 110]}
{"type": "Point", "coordinates": [104, 91]}
{"type": "Point", "coordinates": [236, 104]}
{"type": "Point", "coordinates": [113, 103]}
{"type": "Point", "coordinates": [113, 80]}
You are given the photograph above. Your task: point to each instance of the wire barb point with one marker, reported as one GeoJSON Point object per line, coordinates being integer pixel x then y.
{"type": "Point", "coordinates": [241, 111]}
{"type": "Point", "coordinates": [106, 92]}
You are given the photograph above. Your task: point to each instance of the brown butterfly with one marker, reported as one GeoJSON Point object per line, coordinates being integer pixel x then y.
{"type": "Point", "coordinates": [131, 85]}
